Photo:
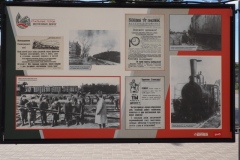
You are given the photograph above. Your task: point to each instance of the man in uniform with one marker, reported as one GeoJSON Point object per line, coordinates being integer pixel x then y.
{"type": "Point", "coordinates": [22, 109]}
{"type": "Point", "coordinates": [32, 107]}
{"type": "Point", "coordinates": [41, 97]}
{"type": "Point", "coordinates": [56, 106]}
{"type": "Point", "coordinates": [185, 38]}
{"type": "Point", "coordinates": [67, 109]}
{"type": "Point", "coordinates": [116, 103]}
{"type": "Point", "coordinates": [82, 104]}
{"type": "Point", "coordinates": [76, 110]}
{"type": "Point", "coordinates": [200, 78]}
{"type": "Point", "coordinates": [111, 97]}
{"type": "Point", "coordinates": [72, 97]}
{"type": "Point", "coordinates": [43, 107]}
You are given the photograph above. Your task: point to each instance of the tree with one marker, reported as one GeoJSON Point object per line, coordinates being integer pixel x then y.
{"type": "Point", "coordinates": [236, 65]}
{"type": "Point", "coordinates": [86, 40]}
{"type": "Point", "coordinates": [86, 46]}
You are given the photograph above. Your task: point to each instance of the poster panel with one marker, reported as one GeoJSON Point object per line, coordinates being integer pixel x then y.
{"type": "Point", "coordinates": [139, 74]}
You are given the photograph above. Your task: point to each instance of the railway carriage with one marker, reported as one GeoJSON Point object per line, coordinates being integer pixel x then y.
{"type": "Point", "coordinates": [206, 29]}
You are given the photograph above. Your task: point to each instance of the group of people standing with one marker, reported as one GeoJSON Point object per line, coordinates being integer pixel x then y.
{"type": "Point", "coordinates": [72, 107]}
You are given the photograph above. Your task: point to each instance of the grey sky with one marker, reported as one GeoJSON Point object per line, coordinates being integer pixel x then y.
{"type": "Point", "coordinates": [178, 23]}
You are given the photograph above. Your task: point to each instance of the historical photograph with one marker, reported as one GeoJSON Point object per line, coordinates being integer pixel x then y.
{"type": "Point", "coordinates": [46, 44]}
{"type": "Point", "coordinates": [94, 47]}
{"type": "Point", "coordinates": [195, 32]}
{"type": "Point", "coordinates": [195, 93]}
{"type": "Point", "coordinates": [67, 102]}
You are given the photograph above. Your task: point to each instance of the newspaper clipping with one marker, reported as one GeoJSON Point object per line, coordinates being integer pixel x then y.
{"type": "Point", "coordinates": [144, 42]}
{"type": "Point", "coordinates": [195, 92]}
{"type": "Point", "coordinates": [67, 102]}
{"type": "Point", "coordinates": [39, 53]}
{"type": "Point", "coordinates": [145, 103]}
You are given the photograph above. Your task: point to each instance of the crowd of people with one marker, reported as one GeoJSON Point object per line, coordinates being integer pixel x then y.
{"type": "Point", "coordinates": [73, 107]}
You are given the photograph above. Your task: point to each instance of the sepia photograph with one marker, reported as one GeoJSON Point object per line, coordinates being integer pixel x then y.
{"type": "Point", "coordinates": [94, 47]}
{"type": "Point", "coordinates": [195, 32]}
{"type": "Point", "coordinates": [48, 43]}
{"type": "Point", "coordinates": [67, 102]}
{"type": "Point", "coordinates": [195, 92]}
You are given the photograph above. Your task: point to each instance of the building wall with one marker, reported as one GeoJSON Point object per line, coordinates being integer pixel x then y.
{"type": "Point", "coordinates": [74, 48]}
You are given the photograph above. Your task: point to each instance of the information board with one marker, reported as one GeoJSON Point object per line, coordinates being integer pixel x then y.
{"type": "Point", "coordinates": [108, 73]}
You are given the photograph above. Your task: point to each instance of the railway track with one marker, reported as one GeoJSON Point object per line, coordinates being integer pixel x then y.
{"type": "Point", "coordinates": [212, 122]}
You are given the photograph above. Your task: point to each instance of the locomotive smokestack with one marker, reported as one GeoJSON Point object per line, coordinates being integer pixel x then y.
{"type": "Point", "coordinates": [193, 66]}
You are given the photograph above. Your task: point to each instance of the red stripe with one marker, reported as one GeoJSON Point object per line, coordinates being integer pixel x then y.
{"type": "Point", "coordinates": [22, 25]}
{"type": "Point", "coordinates": [78, 133]}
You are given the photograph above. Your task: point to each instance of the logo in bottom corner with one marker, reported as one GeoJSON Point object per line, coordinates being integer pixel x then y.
{"type": "Point", "coordinates": [201, 134]}
{"type": "Point", "coordinates": [22, 22]}
{"type": "Point", "coordinates": [218, 134]}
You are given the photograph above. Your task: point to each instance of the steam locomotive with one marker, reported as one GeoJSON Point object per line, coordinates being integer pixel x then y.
{"type": "Point", "coordinates": [199, 101]}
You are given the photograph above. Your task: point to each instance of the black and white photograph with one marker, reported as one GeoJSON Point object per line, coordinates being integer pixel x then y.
{"type": "Point", "coordinates": [195, 32]}
{"type": "Point", "coordinates": [94, 47]}
{"type": "Point", "coordinates": [67, 102]}
{"type": "Point", "coordinates": [49, 43]}
{"type": "Point", "coordinates": [195, 92]}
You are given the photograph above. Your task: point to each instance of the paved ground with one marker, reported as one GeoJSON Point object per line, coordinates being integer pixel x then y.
{"type": "Point", "coordinates": [191, 151]}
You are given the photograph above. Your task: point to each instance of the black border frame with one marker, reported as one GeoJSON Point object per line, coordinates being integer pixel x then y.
{"type": "Point", "coordinates": [118, 5]}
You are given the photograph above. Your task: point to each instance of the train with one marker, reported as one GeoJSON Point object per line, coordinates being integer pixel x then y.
{"type": "Point", "coordinates": [198, 101]}
{"type": "Point", "coordinates": [46, 89]}
{"type": "Point", "coordinates": [206, 29]}
{"type": "Point", "coordinates": [41, 45]}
